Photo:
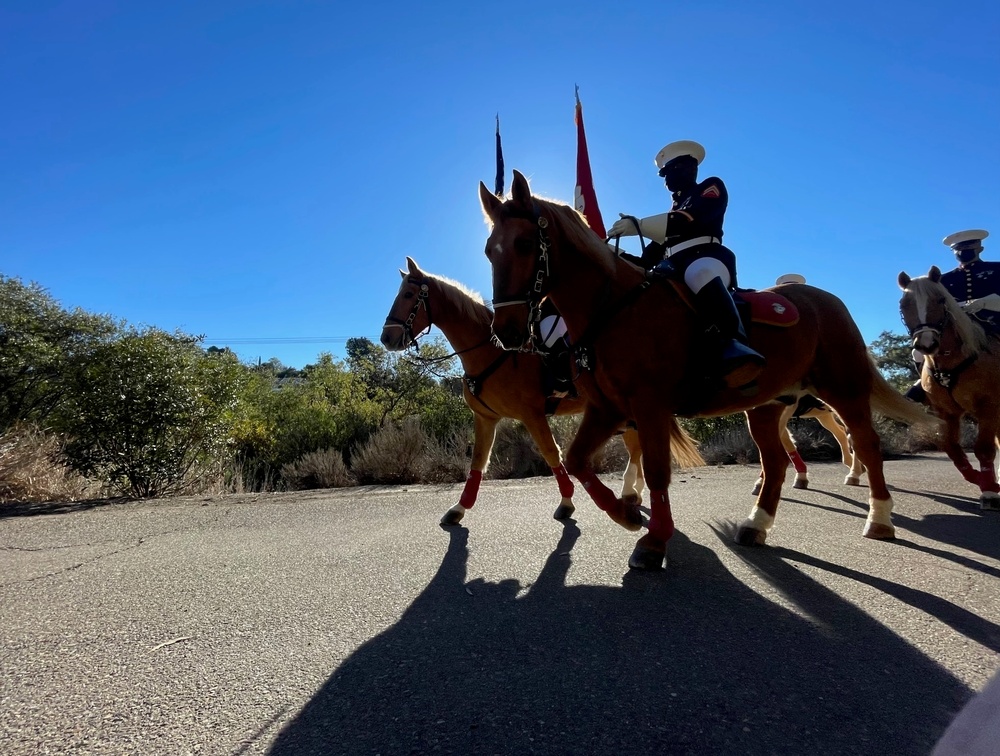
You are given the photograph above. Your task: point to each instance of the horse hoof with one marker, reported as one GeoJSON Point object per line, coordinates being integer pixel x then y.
{"type": "Point", "coordinates": [800, 484]}
{"type": "Point", "coordinates": [989, 501]}
{"type": "Point", "coordinates": [628, 516]}
{"type": "Point", "coordinates": [879, 532]}
{"type": "Point", "coordinates": [649, 554]}
{"type": "Point", "coordinates": [851, 480]}
{"type": "Point", "coordinates": [632, 500]}
{"type": "Point", "coordinates": [746, 536]}
{"type": "Point", "coordinates": [453, 516]}
{"type": "Point", "coordinates": [756, 489]}
{"type": "Point", "coordinates": [564, 511]}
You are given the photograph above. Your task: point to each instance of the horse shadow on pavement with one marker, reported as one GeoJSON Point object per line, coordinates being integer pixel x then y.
{"type": "Point", "coordinates": [687, 661]}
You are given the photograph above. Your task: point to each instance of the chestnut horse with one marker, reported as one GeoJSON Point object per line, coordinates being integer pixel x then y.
{"type": "Point", "coordinates": [960, 374]}
{"type": "Point", "coordinates": [635, 338]}
{"type": "Point", "coordinates": [499, 384]}
{"type": "Point", "coordinates": [808, 406]}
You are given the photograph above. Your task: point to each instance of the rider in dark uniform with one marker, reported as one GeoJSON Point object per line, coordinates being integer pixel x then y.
{"type": "Point", "coordinates": [975, 285]}
{"type": "Point", "coordinates": [690, 237]}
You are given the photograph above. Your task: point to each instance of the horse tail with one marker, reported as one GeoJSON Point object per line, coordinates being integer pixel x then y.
{"type": "Point", "coordinates": [683, 448]}
{"type": "Point", "coordinates": [886, 400]}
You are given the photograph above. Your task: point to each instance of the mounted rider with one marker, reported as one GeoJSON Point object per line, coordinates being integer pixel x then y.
{"type": "Point", "coordinates": [975, 285]}
{"type": "Point", "coordinates": [687, 242]}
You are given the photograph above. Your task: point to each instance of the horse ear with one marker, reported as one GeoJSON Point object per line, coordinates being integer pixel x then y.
{"type": "Point", "coordinates": [519, 190]}
{"type": "Point", "coordinates": [903, 280]}
{"type": "Point", "coordinates": [414, 270]}
{"type": "Point", "coordinates": [490, 202]}
{"type": "Point", "coordinates": [934, 273]}
{"type": "Point", "coordinates": [402, 273]}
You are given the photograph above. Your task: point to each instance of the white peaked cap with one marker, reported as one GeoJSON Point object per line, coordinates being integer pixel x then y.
{"type": "Point", "coordinates": [790, 278]}
{"type": "Point", "coordinates": [975, 234]}
{"type": "Point", "coordinates": [676, 149]}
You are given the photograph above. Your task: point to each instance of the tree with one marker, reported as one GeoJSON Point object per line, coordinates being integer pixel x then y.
{"type": "Point", "coordinates": [147, 408]}
{"type": "Point", "coordinates": [40, 344]}
{"type": "Point", "coordinates": [892, 352]}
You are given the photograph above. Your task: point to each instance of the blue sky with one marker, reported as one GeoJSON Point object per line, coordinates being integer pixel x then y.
{"type": "Point", "coordinates": [259, 170]}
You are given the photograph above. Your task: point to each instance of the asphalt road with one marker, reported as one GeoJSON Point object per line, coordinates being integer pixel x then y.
{"type": "Point", "coordinates": [348, 621]}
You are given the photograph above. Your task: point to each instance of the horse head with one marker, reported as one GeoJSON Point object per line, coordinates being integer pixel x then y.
{"type": "Point", "coordinates": [410, 314]}
{"type": "Point", "coordinates": [925, 308]}
{"type": "Point", "coordinates": [517, 249]}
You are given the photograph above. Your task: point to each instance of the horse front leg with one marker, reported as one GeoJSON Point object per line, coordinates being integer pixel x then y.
{"type": "Point", "coordinates": [595, 429]}
{"type": "Point", "coordinates": [952, 446]}
{"type": "Point", "coordinates": [650, 551]}
{"type": "Point", "coordinates": [633, 479]}
{"type": "Point", "coordinates": [540, 431]}
{"type": "Point", "coordinates": [985, 450]}
{"type": "Point", "coordinates": [765, 429]}
{"type": "Point", "coordinates": [482, 445]}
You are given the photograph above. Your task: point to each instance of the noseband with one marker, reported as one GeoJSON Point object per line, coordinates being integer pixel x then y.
{"type": "Point", "coordinates": [536, 293]}
{"type": "Point", "coordinates": [423, 300]}
{"type": "Point", "coordinates": [921, 328]}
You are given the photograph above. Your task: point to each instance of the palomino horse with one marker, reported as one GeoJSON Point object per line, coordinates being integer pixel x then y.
{"type": "Point", "coordinates": [960, 374]}
{"type": "Point", "coordinates": [636, 338]}
{"type": "Point", "coordinates": [499, 384]}
{"type": "Point", "coordinates": [809, 406]}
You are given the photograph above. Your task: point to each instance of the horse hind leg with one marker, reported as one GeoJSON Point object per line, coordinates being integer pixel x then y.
{"type": "Point", "coordinates": [857, 416]}
{"type": "Point", "coordinates": [828, 419]}
{"type": "Point", "coordinates": [482, 445]}
{"type": "Point", "coordinates": [765, 425]}
{"type": "Point", "coordinates": [633, 480]}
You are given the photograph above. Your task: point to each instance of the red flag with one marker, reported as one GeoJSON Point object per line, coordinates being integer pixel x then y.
{"type": "Point", "coordinates": [585, 199]}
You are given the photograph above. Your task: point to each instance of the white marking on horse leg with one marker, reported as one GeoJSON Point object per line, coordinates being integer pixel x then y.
{"type": "Point", "coordinates": [802, 477]}
{"type": "Point", "coordinates": [629, 479]}
{"type": "Point", "coordinates": [758, 520]}
{"type": "Point", "coordinates": [880, 511]}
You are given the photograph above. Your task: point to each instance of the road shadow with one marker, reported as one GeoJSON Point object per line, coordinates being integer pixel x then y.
{"type": "Point", "coordinates": [687, 661]}
{"type": "Point", "coordinates": [37, 508]}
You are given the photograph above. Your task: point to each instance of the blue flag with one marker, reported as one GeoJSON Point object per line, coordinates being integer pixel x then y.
{"type": "Point", "coordinates": [498, 188]}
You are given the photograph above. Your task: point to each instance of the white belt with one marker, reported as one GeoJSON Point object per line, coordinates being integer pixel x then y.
{"type": "Point", "coordinates": [692, 243]}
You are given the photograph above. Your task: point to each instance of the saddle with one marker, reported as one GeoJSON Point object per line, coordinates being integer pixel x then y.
{"type": "Point", "coordinates": [763, 307]}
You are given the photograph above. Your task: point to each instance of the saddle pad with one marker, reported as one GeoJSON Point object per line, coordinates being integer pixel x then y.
{"type": "Point", "coordinates": [770, 308]}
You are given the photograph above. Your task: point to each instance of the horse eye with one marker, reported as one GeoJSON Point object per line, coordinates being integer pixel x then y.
{"type": "Point", "coordinates": [408, 295]}
{"type": "Point", "coordinates": [524, 246]}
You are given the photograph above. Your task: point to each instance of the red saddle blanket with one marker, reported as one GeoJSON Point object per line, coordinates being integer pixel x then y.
{"type": "Point", "coordinates": [769, 307]}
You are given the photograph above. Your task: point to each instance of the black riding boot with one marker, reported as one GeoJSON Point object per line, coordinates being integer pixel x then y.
{"type": "Point", "coordinates": [740, 363]}
{"type": "Point", "coordinates": [917, 394]}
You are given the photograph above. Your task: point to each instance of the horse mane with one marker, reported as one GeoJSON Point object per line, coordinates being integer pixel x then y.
{"type": "Point", "coordinates": [468, 302]}
{"type": "Point", "coordinates": [971, 333]}
{"type": "Point", "coordinates": [577, 232]}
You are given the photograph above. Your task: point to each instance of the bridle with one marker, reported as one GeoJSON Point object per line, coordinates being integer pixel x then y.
{"type": "Point", "coordinates": [423, 301]}
{"type": "Point", "coordinates": [935, 328]}
{"type": "Point", "coordinates": [536, 292]}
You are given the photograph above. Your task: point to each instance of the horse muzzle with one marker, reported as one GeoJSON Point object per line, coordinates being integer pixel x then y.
{"type": "Point", "coordinates": [394, 337]}
{"type": "Point", "coordinates": [926, 341]}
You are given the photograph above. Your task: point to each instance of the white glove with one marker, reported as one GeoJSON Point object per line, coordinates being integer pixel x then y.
{"type": "Point", "coordinates": [623, 227]}
{"type": "Point", "coordinates": [989, 302]}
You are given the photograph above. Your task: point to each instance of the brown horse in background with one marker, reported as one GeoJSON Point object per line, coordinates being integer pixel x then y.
{"type": "Point", "coordinates": [960, 374]}
{"type": "Point", "coordinates": [499, 384]}
{"type": "Point", "coordinates": [637, 338]}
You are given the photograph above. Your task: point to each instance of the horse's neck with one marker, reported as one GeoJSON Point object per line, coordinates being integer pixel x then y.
{"type": "Point", "coordinates": [462, 332]}
{"type": "Point", "coordinates": [953, 350]}
{"type": "Point", "coordinates": [585, 290]}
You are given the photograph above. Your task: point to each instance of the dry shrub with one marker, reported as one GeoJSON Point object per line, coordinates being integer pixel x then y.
{"type": "Point", "coordinates": [515, 454]}
{"type": "Point", "coordinates": [731, 446]}
{"type": "Point", "coordinates": [30, 470]}
{"type": "Point", "coordinates": [448, 462]}
{"type": "Point", "coordinates": [318, 469]}
{"type": "Point", "coordinates": [394, 455]}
